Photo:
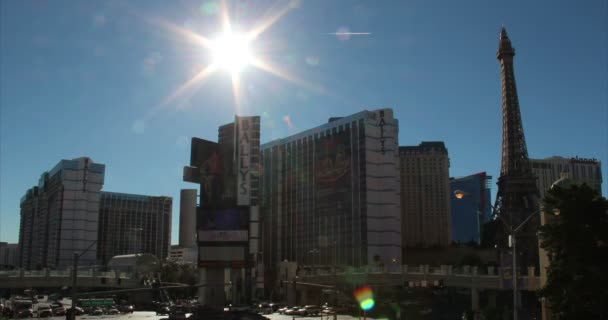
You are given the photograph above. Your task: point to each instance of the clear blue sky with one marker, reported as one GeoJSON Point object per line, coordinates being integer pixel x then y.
{"type": "Point", "coordinates": [86, 78]}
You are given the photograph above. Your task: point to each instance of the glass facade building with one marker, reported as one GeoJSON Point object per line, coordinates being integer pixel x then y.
{"type": "Point", "coordinates": [130, 223]}
{"type": "Point", "coordinates": [471, 206]}
{"type": "Point", "coordinates": [330, 195]}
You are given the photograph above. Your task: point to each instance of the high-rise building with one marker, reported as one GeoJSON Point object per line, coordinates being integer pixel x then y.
{"type": "Point", "coordinates": [9, 255]}
{"type": "Point", "coordinates": [425, 195]}
{"type": "Point", "coordinates": [579, 170]}
{"type": "Point", "coordinates": [471, 206]}
{"type": "Point", "coordinates": [130, 223]}
{"type": "Point", "coordinates": [330, 194]}
{"type": "Point", "coordinates": [60, 215]}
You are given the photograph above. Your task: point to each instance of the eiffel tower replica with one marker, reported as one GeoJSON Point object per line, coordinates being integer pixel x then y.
{"type": "Point", "coordinates": [517, 196]}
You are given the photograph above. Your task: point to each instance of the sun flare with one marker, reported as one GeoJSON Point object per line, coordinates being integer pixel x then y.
{"type": "Point", "coordinates": [231, 52]}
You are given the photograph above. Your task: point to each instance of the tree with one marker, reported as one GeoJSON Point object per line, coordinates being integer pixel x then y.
{"type": "Point", "coordinates": [577, 245]}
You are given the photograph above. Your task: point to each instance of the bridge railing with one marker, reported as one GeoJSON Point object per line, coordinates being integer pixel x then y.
{"type": "Point", "coordinates": [20, 273]}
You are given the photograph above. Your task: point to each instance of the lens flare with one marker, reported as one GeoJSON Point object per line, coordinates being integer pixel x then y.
{"type": "Point", "coordinates": [365, 297]}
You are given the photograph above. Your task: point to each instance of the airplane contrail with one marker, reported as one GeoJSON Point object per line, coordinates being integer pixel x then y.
{"type": "Point", "coordinates": [350, 33]}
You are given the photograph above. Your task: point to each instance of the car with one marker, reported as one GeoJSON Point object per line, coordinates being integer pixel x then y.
{"type": "Point", "coordinates": [312, 310]}
{"type": "Point", "coordinates": [96, 312]}
{"type": "Point", "coordinates": [163, 310]}
{"type": "Point", "coordinates": [240, 308]}
{"type": "Point", "coordinates": [45, 311]}
{"type": "Point", "coordinates": [264, 308]}
{"type": "Point", "coordinates": [282, 310]}
{"type": "Point", "coordinates": [126, 308]}
{"type": "Point", "coordinates": [275, 307]}
{"type": "Point", "coordinates": [293, 311]}
{"type": "Point", "coordinates": [79, 311]}
{"type": "Point", "coordinates": [25, 313]}
{"type": "Point", "coordinates": [112, 310]}
{"type": "Point", "coordinates": [248, 315]}
{"type": "Point", "coordinates": [59, 311]}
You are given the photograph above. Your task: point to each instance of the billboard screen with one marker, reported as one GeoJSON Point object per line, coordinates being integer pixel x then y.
{"type": "Point", "coordinates": [223, 224]}
{"type": "Point", "coordinates": [205, 168]}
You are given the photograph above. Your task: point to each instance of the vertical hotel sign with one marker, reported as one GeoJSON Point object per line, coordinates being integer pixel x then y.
{"type": "Point", "coordinates": [247, 159]}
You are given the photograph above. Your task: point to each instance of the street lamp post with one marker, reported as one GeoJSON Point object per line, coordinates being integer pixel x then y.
{"type": "Point", "coordinates": [75, 256]}
{"type": "Point", "coordinates": [514, 254]}
{"type": "Point", "coordinates": [315, 250]}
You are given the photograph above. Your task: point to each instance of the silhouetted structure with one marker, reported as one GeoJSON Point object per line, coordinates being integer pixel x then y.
{"type": "Point", "coordinates": [425, 195]}
{"type": "Point", "coordinates": [517, 195]}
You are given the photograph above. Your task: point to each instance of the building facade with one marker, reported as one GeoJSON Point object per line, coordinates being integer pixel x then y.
{"type": "Point", "coordinates": [9, 255]}
{"type": "Point", "coordinates": [181, 254]}
{"type": "Point", "coordinates": [330, 195]}
{"type": "Point", "coordinates": [60, 215]}
{"type": "Point", "coordinates": [425, 195]}
{"type": "Point", "coordinates": [579, 170]}
{"type": "Point", "coordinates": [471, 206]}
{"type": "Point", "coordinates": [130, 224]}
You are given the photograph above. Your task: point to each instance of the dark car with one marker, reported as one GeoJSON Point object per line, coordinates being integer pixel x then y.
{"type": "Point", "coordinates": [96, 312]}
{"type": "Point", "coordinates": [246, 315]}
{"type": "Point", "coordinates": [59, 311]}
{"type": "Point", "coordinates": [25, 313]}
{"type": "Point", "coordinates": [163, 310]}
{"type": "Point", "coordinates": [126, 308]}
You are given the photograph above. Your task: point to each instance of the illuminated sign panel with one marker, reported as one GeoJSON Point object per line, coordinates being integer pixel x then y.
{"type": "Point", "coordinates": [223, 224]}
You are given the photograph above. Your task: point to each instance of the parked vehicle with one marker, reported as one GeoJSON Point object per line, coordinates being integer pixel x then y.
{"type": "Point", "coordinates": [96, 312]}
{"type": "Point", "coordinates": [126, 308]}
{"type": "Point", "coordinates": [45, 311]}
{"type": "Point", "coordinates": [25, 313]}
{"type": "Point", "coordinates": [310, 310]}
{"type": "Point", "coordinates": [282, 310]}
{"type": "Point", "coordinates": [79, 311]}
{"type": "Point", "coordinates": [293, 311]}
{"type": "Point", "coordinates": [59, 311]}
{"type": "Point", "coordinates": [264, 308]}
{"type": "Point", "coordinates": [112, 310]}
{"type": "Point", "coordinates": [163, 310]}
{"type": "Point", "coordinates": [275, 307]}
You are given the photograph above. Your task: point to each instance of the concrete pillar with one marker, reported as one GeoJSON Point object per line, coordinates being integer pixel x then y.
{"type": "Point", "coordinates": [466, 269]}
{"type": "Point", "coordinates": [474, 271]}
{"type": "Point", "coordinates": [450, 269]}
{"type": "Point", "coordinates": [546, 310]}
{"type": "Point", "coordinates": [490, 270]}
{"type": "Point", "coordinates": [474, 299]}
{"type": "Point", "coordinates": [202, 278]}
{"type": "Point", "coordinates": [187, 218]}
{"type": "Point", "coordinates": [491, 298]}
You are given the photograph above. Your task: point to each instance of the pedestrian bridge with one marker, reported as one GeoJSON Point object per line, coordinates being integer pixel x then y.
{"type": "Point", "coordinates": [422, 276]}
{"type": "Point", "coordinates": [22, 279]}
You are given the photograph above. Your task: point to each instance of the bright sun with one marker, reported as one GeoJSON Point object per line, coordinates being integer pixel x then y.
{"type": "Point", "coordinates": [231, 52]}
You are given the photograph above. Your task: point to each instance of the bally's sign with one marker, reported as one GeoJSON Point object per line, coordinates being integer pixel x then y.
{"type": "Point", "coordinates": [247, 132]}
